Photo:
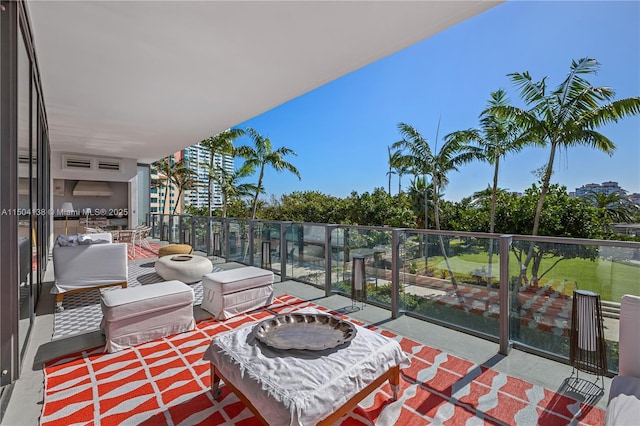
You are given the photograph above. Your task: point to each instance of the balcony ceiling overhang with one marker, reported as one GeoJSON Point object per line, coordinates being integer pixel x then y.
{"type": "Point", "coordinates": [143, 79]}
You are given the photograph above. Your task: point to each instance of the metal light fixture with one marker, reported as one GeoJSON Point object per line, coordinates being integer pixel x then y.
{"type": "Point", "coordinates": [265, 262]}
{"type": "Point", "coordinates": [358, 281]}
{"type": "Point", "coordinates": [587, 350]}
{"type": "Point", "coordinates": [67, 208]}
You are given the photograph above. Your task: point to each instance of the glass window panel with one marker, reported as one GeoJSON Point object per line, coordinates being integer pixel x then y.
{"type": "Point", "coordinates": [24, 194]}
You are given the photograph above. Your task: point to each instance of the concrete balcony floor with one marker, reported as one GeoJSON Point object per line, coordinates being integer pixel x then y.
{"type": "Point", "coordinates": [25, 404]}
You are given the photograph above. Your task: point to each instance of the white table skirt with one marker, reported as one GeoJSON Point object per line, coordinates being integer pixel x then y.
{"type": "Point", "coordinates": [302, 387]}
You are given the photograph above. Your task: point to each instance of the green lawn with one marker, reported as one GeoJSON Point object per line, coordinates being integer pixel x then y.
{"type": "Point", "coordinates": [610, 279]}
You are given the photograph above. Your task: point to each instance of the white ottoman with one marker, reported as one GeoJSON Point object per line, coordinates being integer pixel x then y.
{"type": "Point", "coordinates": [233, 292]}
{"type": "Point", "coordinates": [183, 267]}
{"type": "Point", "coordinates": [140, 314]}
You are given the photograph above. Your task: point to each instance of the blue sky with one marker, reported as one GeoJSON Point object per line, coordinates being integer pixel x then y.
{"type": "Point", "coordinates": [341, 130]}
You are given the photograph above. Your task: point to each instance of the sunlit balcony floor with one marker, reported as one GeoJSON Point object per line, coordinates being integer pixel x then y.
{"type": "Point", "coordinates": [25, 404]}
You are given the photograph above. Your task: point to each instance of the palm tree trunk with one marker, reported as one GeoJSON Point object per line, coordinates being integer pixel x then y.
{"type": "Point", "coordinates": [492, 220]}
{"type": "Point", "coordinates": [166, 194]}
{"type": "Point", "coordinates": [442, 248]}
{"type": "Point", "coordinates": [543, 194]}
{"type": "Point", "coordinates": [389, 181]}
{"type": "Point", "coordinates": [255, 199]}
{"type": "Point", "coordinates": [224, 205]}
{"type": "Point", "coordinates": [175, 206]}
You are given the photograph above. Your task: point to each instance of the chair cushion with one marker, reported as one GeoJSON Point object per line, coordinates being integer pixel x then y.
{"type": "Point", "coordinates": [175, 249]}
{"type": "Point", "coordinates": [129, 302]}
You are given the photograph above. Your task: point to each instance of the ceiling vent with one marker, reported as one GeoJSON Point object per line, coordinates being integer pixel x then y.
{"type": "Point", "coordinates": [76, 163]}
{"type": "Point", "coordinates": [110, 165]}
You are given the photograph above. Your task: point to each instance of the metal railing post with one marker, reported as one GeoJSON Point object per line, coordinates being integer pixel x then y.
{"type": "Point", "coordinates": [395, 272]}
{"type": "Point", "coordinates": [227, 242]}
{"type": "Point", "coordinates": [283, 249]}
{"type": "Point", "coordinates": [208, 237]}
{"type": "Point", "coordinates": [328, 252]}
{"type": "Point", "coordinates": [504, 292]}
{"type": "Point", "coordinates": [252, 227]}
{"type": "Point", "coordinates": [195, 220]}
{"type": "Point", "coordinates": [180, 230]}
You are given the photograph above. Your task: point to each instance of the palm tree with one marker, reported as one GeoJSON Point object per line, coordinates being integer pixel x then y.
{"type": "Point", "coordinates": [435, 164]}
{"type": "Point", "coordinates": [416, 192]}
{"type": "Point", "coordinates": [565, 117]}
{"type": "Point", "coordinates": [397, 166]}
{"type": "Point", "coordinates": [230, 186]}
{"type": "Point", "coordinates": [262, 155]}
{"type": "Point", "coordinates": [615, 207]}
{"type": "Point", "coordinates": [164, 169]}
{"type": "Point", "coordinates": [496, 137]}
{"type": "Point", "coordinates": [391, 158]}
{"type": "Point", "coordinates": [222, 143]}
{"type": "Point", "coordinates": [184, 180]}
{"type": "Point", "coordinates": [480, 198]}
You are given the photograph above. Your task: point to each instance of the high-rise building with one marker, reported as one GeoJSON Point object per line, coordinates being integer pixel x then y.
{"type": "Point", "coordinates": [195, 158]}
{"type": "Point", "coordinates": [605, 188]}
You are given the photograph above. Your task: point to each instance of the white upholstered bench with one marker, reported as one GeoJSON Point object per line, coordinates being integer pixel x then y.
{"type": "Point", "coordinates": [136, 315]}
{"type": "Point", "coordinates": [233, 292]}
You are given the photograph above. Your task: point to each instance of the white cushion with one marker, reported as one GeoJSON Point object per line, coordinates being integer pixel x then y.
{"type": "Point", "coordinates": [130, 302]}
{"type": "Point", "coordinates": [237, 279]}
{"type": "Point", "coordinates": [624, 401]}
{"type": "Point", "coordinates": [628, 338]}
{"type": "Point", "coordinates": [89, 266]}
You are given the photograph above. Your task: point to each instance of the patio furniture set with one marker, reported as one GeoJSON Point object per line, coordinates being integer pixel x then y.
{"type": "Point", "coordinates": [267, 379]}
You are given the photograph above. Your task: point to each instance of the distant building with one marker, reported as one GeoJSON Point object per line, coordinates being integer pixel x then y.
{"type": "Point", "coordinates": [604, 188]}
{"type": "Point", "coordinates": [634, 198]}
{"type": "Point", "coordinates": [194, 157]}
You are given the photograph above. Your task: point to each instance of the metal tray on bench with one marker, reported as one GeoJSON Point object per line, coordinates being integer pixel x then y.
{"type": "Point", "coordinates": [313, 332]}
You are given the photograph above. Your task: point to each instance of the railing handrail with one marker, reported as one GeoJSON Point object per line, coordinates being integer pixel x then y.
{"type": "Point", "coordinates": [470, 234]}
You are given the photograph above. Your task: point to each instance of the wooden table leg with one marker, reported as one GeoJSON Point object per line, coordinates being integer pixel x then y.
{"type": "Point", "coordinates": [394, 381]}
{"type": "Point", "coordinates": [215, 382]}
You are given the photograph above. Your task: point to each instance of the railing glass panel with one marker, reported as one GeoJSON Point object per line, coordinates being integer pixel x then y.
{"type": "Point", "coordinates": [154, 222]}
{"type": "Point", "coordinates": [266, 236]}
{"type": "Point", "coordinates": [452, 279]}
{"type": "Point", "coordinates": [217, 238]}
{"type": "Point", "coordinates": [185, 230]}
{"type": "Point", "coordinates": [374, 245]}
{"type": "Point", "coordinates": [544, 275]}
{"type": "Point", "coordinates": [238, 241]}
{"type": "Point", "coordinates": [164, 227]}
{"type": "Point", "coordinates": [199, 233]}
{"type": "Point", "coordinates": [305, 245]}
{"type": "Point", "coordinates": [174, 229]}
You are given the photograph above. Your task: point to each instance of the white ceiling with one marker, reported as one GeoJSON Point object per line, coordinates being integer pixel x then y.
{"type": "Point", "coordinates": [143, 79]}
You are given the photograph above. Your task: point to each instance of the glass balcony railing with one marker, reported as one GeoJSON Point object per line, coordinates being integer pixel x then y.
{"type": "Point", "coordinates": [452, 278]}
{"type": "Point", "coordinates": [514, 290]}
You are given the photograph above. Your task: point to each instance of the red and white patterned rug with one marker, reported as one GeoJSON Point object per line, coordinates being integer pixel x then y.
{"type": "Point", "coordinates": [166, 382]}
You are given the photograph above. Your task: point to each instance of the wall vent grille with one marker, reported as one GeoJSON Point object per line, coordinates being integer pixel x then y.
{"type": "Point", "coordinates": [109, 165]}
{"type": "Point", "coordinates": [77, 163]}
